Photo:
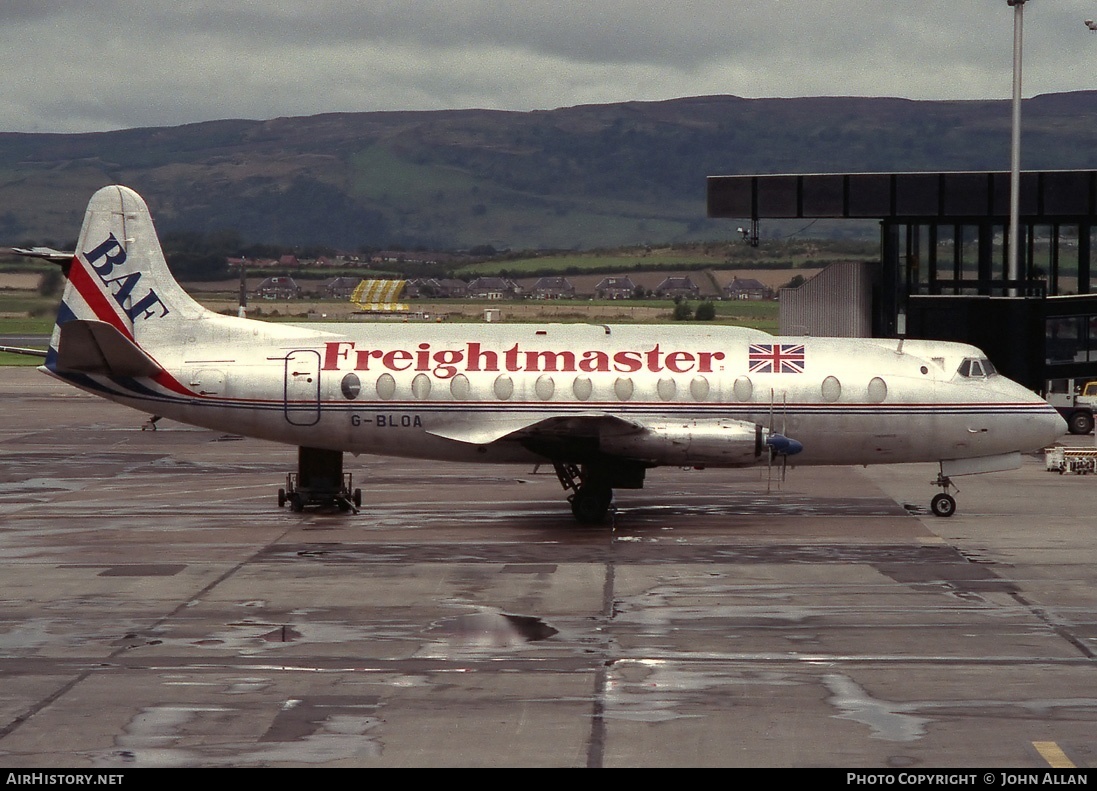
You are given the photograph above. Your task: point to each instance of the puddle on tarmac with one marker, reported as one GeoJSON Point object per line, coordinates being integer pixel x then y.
{"type": "Point", "coordinates": [900, 722]}
{"type": "Point", "coordinates": [487, 631]}
{"type": "Point", "coordinates": [164, 736]}
{"type": "Point", "coordinates": [887, 719]}
{"type": "Point", "coordinates": [653, 690]}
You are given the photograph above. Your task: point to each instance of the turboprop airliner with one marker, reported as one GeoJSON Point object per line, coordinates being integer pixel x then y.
{"type": "Point", "coordinates": [602, 404]}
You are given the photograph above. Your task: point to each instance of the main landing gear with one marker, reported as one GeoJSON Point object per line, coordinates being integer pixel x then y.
{"type": "Point", "coordinates": [320, 481]}
{"type": "Point", "coordinates": [592, 487]}
{"type": "Point", "coordinates": [943, 504]}
{"type": "Point", "coordinates": [590, 497]}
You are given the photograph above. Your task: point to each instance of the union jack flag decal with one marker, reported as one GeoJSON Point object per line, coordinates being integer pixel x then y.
{"type": "Point", "coordinates": [776, 358]}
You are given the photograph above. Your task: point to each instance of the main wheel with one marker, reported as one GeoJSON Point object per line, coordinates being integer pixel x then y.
{"type": "Point", "coordinates": [589, 504]}
{"type": "Point", "coordinates": [281, 498]}
{"type": "Point", "coordinates": [1080, 423]}
{"type": "Point", "coordinates": [943, 505]}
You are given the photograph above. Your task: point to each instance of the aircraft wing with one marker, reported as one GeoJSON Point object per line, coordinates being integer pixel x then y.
{"type": "Point", "coordinates": [721, 441]}
{"type": "Point", "coordinates": [581, 426]}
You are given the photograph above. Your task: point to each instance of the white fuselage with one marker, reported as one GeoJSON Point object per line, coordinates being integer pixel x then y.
{"type": "Point", "coordinates": [456, 391]}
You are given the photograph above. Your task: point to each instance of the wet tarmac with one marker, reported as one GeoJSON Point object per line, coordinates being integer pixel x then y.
{"type": "Point", "coordinates": [158, 609]}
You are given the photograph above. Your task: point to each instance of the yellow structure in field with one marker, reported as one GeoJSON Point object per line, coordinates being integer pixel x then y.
{"type": "Point", "coordinates": [378, 296]}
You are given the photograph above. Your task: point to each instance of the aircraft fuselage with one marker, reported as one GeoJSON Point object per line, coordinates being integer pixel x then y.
{"type": "Point", "coordinates": [378, 388]}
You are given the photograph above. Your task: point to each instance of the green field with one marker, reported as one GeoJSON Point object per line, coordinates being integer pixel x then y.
{"type": "Point", "coordinates": [696, 257]}
{"type": "Point", "coordinates": [583, 262]}
{"type": "Point", "coordinates": [22, 360]}
{"type": "Point", "coordinates": [16, 325]}
{"type": "Point", "coordinates": [20, 326]}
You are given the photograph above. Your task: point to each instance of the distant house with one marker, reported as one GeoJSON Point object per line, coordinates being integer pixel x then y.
{"type": "Point", "coordinates": [288, 260]}
{"type": "Point", "coordinates": [678, 287]}
{"type": "Point", "coordinates": [493, 288]}
{"type": "Point", "coordinates": [452, 287]}
{"type": "Point", "coordinates": [411, 257]}
{"type": "Point", "coordinates": [615, 288]}
{"type": "Point", "coordinates": [341, 287]}
{"type": "Point", "coordinates": [436, 288]}
{"type": "Point", "coordinates": [747, 288]}
{"type": "Point", "coordinates": [553, 288]}
{"type": "Point", "coordinates": [282, 287]}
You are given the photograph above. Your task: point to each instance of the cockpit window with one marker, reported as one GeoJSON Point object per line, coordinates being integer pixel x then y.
{"type": "Point", "coordinates": [979, 367]}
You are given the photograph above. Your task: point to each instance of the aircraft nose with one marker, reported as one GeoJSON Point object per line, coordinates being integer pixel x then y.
{"type": "Point", "coordinates": [1054, 425]}
{"type": "Point", "coordinates": [1044, 425]}
{"type": "Point", "coordinates": [1044, 428]}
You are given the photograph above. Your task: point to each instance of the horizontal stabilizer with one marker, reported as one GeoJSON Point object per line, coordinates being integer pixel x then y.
{"type": "Point", "coordinates": [95, 347]}
{"type": "Point", "coordinates": [45, 253]}
{"type": "Point", "coordinates": [20, 350]}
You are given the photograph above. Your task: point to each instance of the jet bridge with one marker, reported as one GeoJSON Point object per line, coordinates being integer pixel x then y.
{"type": "Point", "coordinates": [942, 271]}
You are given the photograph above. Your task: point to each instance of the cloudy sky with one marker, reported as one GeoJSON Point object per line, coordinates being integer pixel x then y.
{"type": "Point", "coordinates": [94, 65]}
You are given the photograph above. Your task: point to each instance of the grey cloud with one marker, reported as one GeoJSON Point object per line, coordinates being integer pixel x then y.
{"type": "Point", "coordinates": [74, 66]}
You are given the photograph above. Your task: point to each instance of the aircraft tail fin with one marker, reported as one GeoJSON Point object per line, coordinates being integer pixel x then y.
{"type": "Point", "coordinates": [119, 288]}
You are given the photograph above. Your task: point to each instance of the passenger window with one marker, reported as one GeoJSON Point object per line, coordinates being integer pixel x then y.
{"type": "Point", "coordinates": [544, 387]}
{"type": "Point", "coordinates": [386, 386]}
{"type": "Point", "coordinates": [459, 387]}
{"type": "Point", "coordinates": [420, 386]}
{"type": "Point", "coordinates": [351, 386]}
{"type": "Point", "coordinates": [504, 387]}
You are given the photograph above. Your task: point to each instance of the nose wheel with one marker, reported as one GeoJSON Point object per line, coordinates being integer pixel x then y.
{"type": "Point", "coordinates": [943, 504]}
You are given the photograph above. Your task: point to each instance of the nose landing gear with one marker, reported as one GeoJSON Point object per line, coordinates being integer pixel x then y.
{"type": "Point", "coordinates": [943, 504]}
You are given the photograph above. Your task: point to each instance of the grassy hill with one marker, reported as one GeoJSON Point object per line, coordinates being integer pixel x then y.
{"type": "Point", "coordinates": [572, 178]}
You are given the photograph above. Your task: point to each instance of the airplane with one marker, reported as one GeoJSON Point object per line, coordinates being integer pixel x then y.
{"type": "Point", "coordinates": [602, 404]}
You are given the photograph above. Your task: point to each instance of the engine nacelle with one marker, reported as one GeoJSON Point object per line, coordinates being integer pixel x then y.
{"type": "Point", "coordinates": [717, 443]}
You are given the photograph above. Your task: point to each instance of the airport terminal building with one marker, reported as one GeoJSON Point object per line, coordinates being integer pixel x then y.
{"type": "Point", "coordinates": [942, 272]}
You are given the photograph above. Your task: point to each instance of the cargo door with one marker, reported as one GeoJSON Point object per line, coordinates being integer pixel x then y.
{"type": "Point", "coordinates": [302, 387]}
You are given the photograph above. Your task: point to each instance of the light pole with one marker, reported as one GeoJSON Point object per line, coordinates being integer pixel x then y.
{"type": "Point", "coordinates": [1012, 268]}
